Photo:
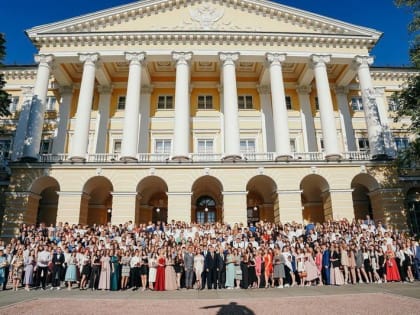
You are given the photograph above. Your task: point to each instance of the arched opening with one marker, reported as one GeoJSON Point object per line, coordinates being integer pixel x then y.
{"type": "Point", "coordinates": [363, 185]}
{"type": "Point", "coordinates": [152, 200]}
{"type": "Point", "coordinates": [316, 199]}
{"type": "Point", "coordinates": [262, 200]}
{"type": "Point", "coordinates": [96, 201]}
{"type": "Point", "coordinates": [207, 193]}
{"type": "Point", "coordinates": [413, 209]}
{"type": "Point", "coordinates": [43, 201]}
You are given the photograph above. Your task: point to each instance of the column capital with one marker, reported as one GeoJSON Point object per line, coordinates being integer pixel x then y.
{"type": "Point", "coordinates": [320, 59]}
{"type": "Point", "coordinates": [341, 90]}
{"type": "Point", "coordinates": [44, 59]}
{"type": "Point", "coordinates": [182, 57]}
{"type": "Point", "coordinates": [105, 89]}
{"type": "Point", "coordinates": [380, 90]}
{"type": "Point", "coordinates": [275, 58]}
{"type": "Point", "coordinates": [135, 57]}
{"type": "Point", "coordinates": [89, 58]}
{"type": "Point", "coordinates": [27, 90]}
{"type": "Point", "coordinates": [147, 89]}
{"type": "Point", "coordinates": [304, 89]}
{"type": "Point", "coordinates": [228, 58]}
{"type": "Point", "coordinates": [363, 60]}
{"type": "Point", "coordinates": [67, 89]}
{"type": "Point", "coordinates": [263, 89]}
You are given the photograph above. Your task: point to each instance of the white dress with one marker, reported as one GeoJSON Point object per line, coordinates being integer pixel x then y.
{"type": "Point", "coordinates": [198, 265]}
{"type": "Point", "coordinates": [152, 270]}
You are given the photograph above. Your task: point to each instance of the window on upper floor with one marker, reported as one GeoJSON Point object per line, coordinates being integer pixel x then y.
{"type": "Point", "coordinates": [293, 145]}
{"type": "Point", "coordinates": [357, 103]}
{"type": "Point", "coordinates": [14, 101]}
{"type": "Point", "coordinates": [245, 102]}
{"type": "Point", "coordinates": [316, 103]}
{"type": "Point", "coordinates": [165, 102]}
{"type": "Point", "coordinates": [247, 146]}
{"type": "Point", "coordinates": [45, 146]}
{"type": "Point", "coordinates": [205, 146]}
{"type": "Point", "coordinates": [116, 149]}
{"type": "Point", "coordinates": [50, 103]}
{"type": "Point", "coordinates": [121, 103]}
{"type": "Point", "coordinates": [205, 102]}
{"type": "Point", "coordinates": [5, 148]}
{"type": "Point", "coordinates": [321, 144]}
{"type": "Point", "coordinates": [401, 143]}
{"type": "Point", "coordinates": [163, 146]}
{"type": "Point", "coordinates": [363, 144]}
{"type": "Point", "coordinates": [392, 103]}
{"type": "Point", "coordinates": [288, 102]}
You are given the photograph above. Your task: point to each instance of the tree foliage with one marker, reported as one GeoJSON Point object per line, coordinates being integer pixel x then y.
{"type": "Point", "coordinates": [4, 97]}
{"type": "Point", "coordinates": [409, 97]}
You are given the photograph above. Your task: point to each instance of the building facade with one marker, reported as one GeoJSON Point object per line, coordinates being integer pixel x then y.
{"type": "Point", "coordinates": [231, 111]}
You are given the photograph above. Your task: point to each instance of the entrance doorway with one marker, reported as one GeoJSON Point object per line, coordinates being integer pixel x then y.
{"type": "Point", "coordinates": [205, 210]}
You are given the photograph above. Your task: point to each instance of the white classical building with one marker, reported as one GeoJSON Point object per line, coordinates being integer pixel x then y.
{"type": "Point", "coordinates": [233, 111]}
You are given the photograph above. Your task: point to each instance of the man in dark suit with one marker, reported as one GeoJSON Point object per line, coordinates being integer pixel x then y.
{"type": "Point", "coordinates": [326, 254]}
{"type": "Point", "coordinates": [221, 269]}
{"type": "Point", "coordinates": [189, 268]}
{"type": "Point", "coordinates": [58, 265]}
{"type": "Point", "coordinates": [415, 248]}
{"type": "Point", "coordinates": [211, 268]}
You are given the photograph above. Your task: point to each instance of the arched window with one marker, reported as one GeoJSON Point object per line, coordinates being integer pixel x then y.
{"type": "Point", "coordinates": [205, 210]}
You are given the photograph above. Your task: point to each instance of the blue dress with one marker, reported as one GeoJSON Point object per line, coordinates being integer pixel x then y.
{"type": "Point", "coordinates": [2, 267]}
{"type": "Point", "coordinates": [71, 272]}
{"type": "Point", "coordinates": [230, 271]}
{"type": "Point", "coordinates": [114, 275]}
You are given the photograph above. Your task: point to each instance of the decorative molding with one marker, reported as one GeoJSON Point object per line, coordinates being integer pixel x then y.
{"type": "Point", "coordinates": [319, 60]}
{"type": "Point", "coordinates": [89, 58]}
{"type": "Point", "coordinates": [229, 58]}
{"type": "Point", "coordinates": [44, 60]}
{"type": "Point", "coordinates": [180, 193]}
{"type": "Point", "coordinates": [135, 58]}
{"type": "Point", "coordinates": [275, 58]}
{"type": "Point", "coordinates": [226, 193]}
{"type": "Point", "coordinates": [182, 58]}
{"type": "Point", "coordinates": [289, 192]}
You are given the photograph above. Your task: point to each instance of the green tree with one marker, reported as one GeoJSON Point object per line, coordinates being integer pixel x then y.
{"type": "Point", "coordinates": [4, 97]}
{"type": "Point", "coordinates": [409, 97]}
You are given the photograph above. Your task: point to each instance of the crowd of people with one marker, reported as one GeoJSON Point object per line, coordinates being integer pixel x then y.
{"type": "Point", "coordinates": [177, 255]}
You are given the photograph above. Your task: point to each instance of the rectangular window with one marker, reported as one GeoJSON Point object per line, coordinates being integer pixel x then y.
{"type": "Point", "coordinates": [288, 103]}
{"type": "Point", "coordinates": [392, 103]}
{"type": "Point", "coordinates": [401, 143]}
{"type": "Point", "coordinates": [205, 146]}
{"type": "Point", "coordinates": [321, 144]}
{"type": "Point", "coordinates": [363, 144]}
{"type": "Point", "coordinates": [165, 102]}
{"type": "Point", "coordinates": [50, 103]}
{"type": "Point", "coordinates": [205, 102]}
{"type": "Point", "coordinates": [14, 101]}
{"type": "Point", "coordinates": [245, 102]}
{"type": "Point", "coordinates": [117, 147]}
{"type": "Point", "coordinates": [121, 103]}
{"type": "Point", "coordinates": [163, 146]}
{"type": "Point", "coordinates": [247, 146]}
{"type": "Point", "coordinates": [316, 103]}
{"type": "Point", "coordinates": [5, 148]}
{"type": "Point", "coordinates": [293, 145]}
{"type": "Point", "coordinates": [45, 147]}
{"type": "Point", "coordinates": [357, 103]}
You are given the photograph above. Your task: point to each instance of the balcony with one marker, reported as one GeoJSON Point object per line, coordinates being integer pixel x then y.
{"type": "Point", "coordinates": [205, 157]}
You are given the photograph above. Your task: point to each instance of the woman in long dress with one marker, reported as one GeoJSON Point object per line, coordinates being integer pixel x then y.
{"type": "Point", "coordinates": [152, 270]}
{"type": "Point", "coordinates": [392, 273]}
{"type": "Point", "coordinates": [170, 275]}
{"type": "Point", "coordinates": [252, 276]}
{"type": "Point", "coordinates": [115, 271]}
{"type": "Point", "coordinates": [95, 273]}
{"type": "Point", "coordinates": [29, 263]}
{"type": "Point", "coordinates": [105, 277]}
{"type": "Point", "coordinates": [198, 267]}
{"type": "Point", "coordinates": [160, 272]}
{"type": "Point", "coordinates": [336, 275]}
{"type": "Point", "coordinates": [312, 273]}
{"type": "Point", "coordinates": [268, 266]}
{"type": "Point", "coordinates": [17, 268]}
{"type": "Point", "coordinates": [71, 272]}
{"type": "Point", "coordinates": [279, 273]}
{"type": "Point", "coordinates": [230, 270]}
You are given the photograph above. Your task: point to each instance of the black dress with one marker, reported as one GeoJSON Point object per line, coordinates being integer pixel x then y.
{"type": "Point", "coordinates": [252, 275]}
{"type": "Point", "coordinates": [144, 269]}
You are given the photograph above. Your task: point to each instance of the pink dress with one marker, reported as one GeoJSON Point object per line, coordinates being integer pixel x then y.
{"type": "Point", "coordinates": [258, 262]}
{"type": "Point", "coordinates": [318, 261]}
{"type": "Point", "coordinates": [311, 268]}
{"type": "Point", "coordinates": [105, 277]}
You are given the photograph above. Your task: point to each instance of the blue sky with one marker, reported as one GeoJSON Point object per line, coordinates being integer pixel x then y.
{"type": "Point", "coordinates": [382, 15]}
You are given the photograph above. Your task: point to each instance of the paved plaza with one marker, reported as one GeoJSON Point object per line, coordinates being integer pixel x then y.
{"type": "Point", "coordinates": [391, 298]}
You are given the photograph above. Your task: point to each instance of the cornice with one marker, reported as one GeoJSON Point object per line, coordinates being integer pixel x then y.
{"type": "Point", "coordinates": [393, 74]}
{"type": "Point", "coordinates": [19, 74]}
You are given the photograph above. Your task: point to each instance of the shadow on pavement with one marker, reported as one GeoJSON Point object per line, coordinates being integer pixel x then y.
{"type": "Point", "coordinates": [232, 308]}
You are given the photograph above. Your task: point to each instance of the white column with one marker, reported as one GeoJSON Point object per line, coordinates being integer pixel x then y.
{"type": "Point", "coordinates": [144, 139]}
{"type": "Point", "coordinates": [182, 105]}
{"type": "Point", "coordinates": [59, 143]}
{"type": "Point", "coordinates": [280, 116]}
{"type": "Point", "coordinates": [132, 107]}
{"type": "Point", "coordinates": [36, 114]}
{"type": "Point", "coordinates": [230, 103]}
{"type": "Point", "coordinates": [80, 138]}
{"type": "Point", "coordinates": [308, 125]}
{"type": "Point", "coordinates": [22, 125]}
{"type": "Point", "coordinates": [345, 118]}
{"type": "Point", "coordinates": [373, 123]}
{"type": "Point", "coordinates": [267, 118]}
{"type": "Point", "coordinates": [329, 130]}
{"type": "Point", "coordinates": [102, 119]}
{"type": "Point", "coordinates": [383, 116]}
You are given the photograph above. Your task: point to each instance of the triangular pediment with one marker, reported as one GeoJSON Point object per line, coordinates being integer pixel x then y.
{"type": "Point", "coordinates": [203, 16]}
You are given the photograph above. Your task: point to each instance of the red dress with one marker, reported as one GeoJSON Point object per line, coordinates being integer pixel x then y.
{"type": "Point", "coordinates": [392, 273]}
{"type": "Point", "coordinates": [268, 264]}
{"type": "Point", "coordinates": [160, 275]}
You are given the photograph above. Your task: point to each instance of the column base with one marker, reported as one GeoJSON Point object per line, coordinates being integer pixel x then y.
{"type": "Point", "coordinates": [333, 157]}
{"type": "Point", "coordinates": [128, 159]}
{"type": "Point", "coordinates": [77, 158]}
{"type": "Point", "coordinates": [181, 158]}
{"type": "Point", "coordinates": [232, 157]}
{"type": "Point", "coordinates": [283, 157]}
